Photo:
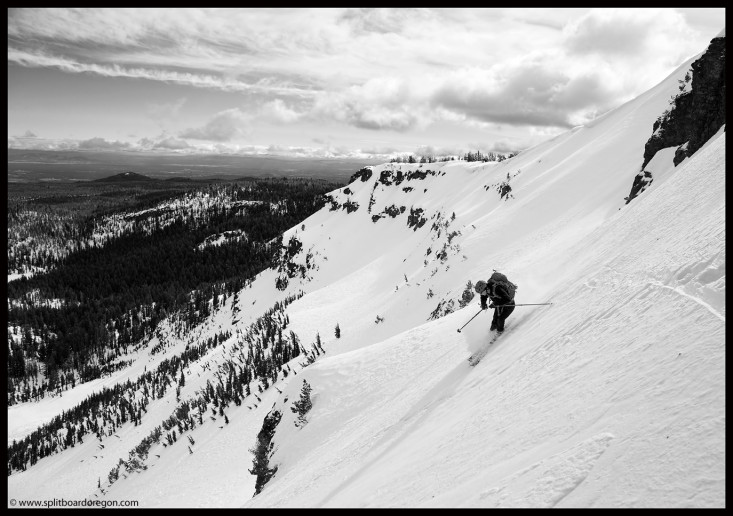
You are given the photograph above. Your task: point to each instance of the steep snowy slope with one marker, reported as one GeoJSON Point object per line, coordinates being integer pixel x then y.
{"type": "Point", "coordinates": [611, 397]}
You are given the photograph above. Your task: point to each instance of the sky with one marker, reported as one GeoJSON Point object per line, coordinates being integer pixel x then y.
{"type": "Point", "coordinates": [323, 82]}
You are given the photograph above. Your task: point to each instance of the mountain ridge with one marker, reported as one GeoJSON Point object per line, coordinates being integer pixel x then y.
{"type": "Point", "coordinates": [124, 177]}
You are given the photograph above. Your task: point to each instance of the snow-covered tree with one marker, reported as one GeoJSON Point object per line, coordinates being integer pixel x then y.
{"type": "Point", "coordinates": [303, 405]}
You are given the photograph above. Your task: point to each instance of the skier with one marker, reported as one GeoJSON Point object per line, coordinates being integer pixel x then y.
{"type": "Point", "coordinates": [501, 292]}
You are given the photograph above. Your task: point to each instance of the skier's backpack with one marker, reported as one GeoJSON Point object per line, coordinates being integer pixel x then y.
{"type": "Point", "coordinates": [499, 279]}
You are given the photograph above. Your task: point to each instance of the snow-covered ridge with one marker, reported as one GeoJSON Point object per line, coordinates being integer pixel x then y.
{"type": "Point", "coordinates": [222, 238]}
{"type": "Point", "coordinates": [195, 207]}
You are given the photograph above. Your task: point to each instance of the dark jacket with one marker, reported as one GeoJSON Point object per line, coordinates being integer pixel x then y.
{"type": "Point", "coordinates": [498, 295]}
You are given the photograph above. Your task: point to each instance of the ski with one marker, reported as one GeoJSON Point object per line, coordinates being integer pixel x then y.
{"type": "Point", "coordinates": [478, 355]}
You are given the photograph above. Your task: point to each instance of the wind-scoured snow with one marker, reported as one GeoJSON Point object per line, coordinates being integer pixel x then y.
{"type": "Point", "coordinates": [613, 396]}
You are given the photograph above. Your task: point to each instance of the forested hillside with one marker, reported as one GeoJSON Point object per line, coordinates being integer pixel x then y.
{"type": "Point", "coordinates": [114, 261]}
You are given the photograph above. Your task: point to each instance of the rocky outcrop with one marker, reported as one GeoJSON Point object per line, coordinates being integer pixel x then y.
{"type": "Point", "coordinates": [364, 174]}
{"type": "Point", "coordinates": [708, 97]}
{"type": "Point", "coordinates": [641, 181]}
{"type": "Point", "coordinates": [671, 129]}
{"type": "Point", "coordinates": [695, 116]}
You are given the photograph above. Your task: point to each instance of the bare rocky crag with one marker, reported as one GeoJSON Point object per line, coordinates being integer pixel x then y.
{"type": "Point", "coordinates": [695, 116]}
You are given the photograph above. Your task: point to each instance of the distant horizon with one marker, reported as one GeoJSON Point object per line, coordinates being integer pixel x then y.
{"type": "Point", "coordinates": [93, 165]}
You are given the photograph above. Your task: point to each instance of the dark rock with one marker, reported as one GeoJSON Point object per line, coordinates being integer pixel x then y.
{"type": "Point", "coordinates": [364, 174]}
{"type": "Point", "coordinates": [641, 181]}
{"type": "Point", "coordinates": [698, 114]}
{"type": "Point", "coordinates": [695, 116]}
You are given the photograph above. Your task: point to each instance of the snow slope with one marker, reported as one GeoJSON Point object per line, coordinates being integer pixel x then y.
{"type": "Point", "coordinates": [611, 397]}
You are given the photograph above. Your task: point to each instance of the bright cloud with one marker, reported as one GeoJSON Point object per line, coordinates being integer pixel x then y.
{"type": "Point", "coordinates": [380, 103]}
{"type": "Point", "coordinates": [221, 128]}
{"type": "Point", "coordinates": [278, 111]}
{"type": "Point", "coordinates": [628, 33]}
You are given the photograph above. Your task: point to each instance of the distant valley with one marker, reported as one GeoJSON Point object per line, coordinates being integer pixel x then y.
{"type": "Point", "coordinates": [38, 165]}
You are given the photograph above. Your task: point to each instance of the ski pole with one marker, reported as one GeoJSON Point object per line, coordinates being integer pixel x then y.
{"type": "Point", "coordinates": [471, 319]}
{"type": "Point", "coordinates": [525, 304]}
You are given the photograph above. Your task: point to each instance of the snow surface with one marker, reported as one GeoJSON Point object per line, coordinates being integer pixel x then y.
{"type": "Point", "coordinates": [614, 396]}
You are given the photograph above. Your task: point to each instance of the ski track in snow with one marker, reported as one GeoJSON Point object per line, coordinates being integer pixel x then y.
{"type": "Point", "coordinates": [551, 479]}
{"type": "Point", "coordinates": [695, 299]}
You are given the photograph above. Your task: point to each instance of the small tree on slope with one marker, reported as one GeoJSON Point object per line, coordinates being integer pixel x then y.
{"type": "Point", "coordinates": [303, 405]}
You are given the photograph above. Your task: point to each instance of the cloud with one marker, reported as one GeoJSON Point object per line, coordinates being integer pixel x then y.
{"type": "Point", "coordinates": [380, 117]}
{"type": "Point", "coordinates": [224, 126]}
{"type": "Point", "coordinates": [29, 134]}
{"type": "Point", "coordinates": [198, 80]}
{"type": "Point", "coordinates": [539, 90]}
{"type": "Point", "coordinates": [20, 142]}
{"type": "Point", "coordinates": [102, 144]}
{"type": "Point", "coordinates": [600, 32]}
{"type": "Point", "coordinates": [624, 32]}
{"type": "Point", "coordinates": [145, 143]}
{"type": "Point", "coordinates": [383, 103]}
{"type": "Point", "coordinates": [382, 20]}
{"type": "Point", "coordinates": [534, 93]}
{"type": "Point", "coordinates": [373, 69]}
{"type": "Point", "coordinates": [162, 142]}
{"type": "Point", "coordinates": [171, 143]}
{"type": "Point", "coordinates": [506, 146]}
{"type": "Point", "coordinates": [278, 111]}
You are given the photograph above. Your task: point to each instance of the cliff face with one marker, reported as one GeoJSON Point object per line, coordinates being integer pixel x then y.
{"type": "Point", "coordinates": [708, 92]}
{"type": "Point", "coordinates": [695, 116]}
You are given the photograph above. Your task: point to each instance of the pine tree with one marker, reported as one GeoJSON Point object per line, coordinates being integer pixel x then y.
{"type": "Point", "coordinates": [303, 405]}
{"type": "Point", "coordinates": [338, 331]}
